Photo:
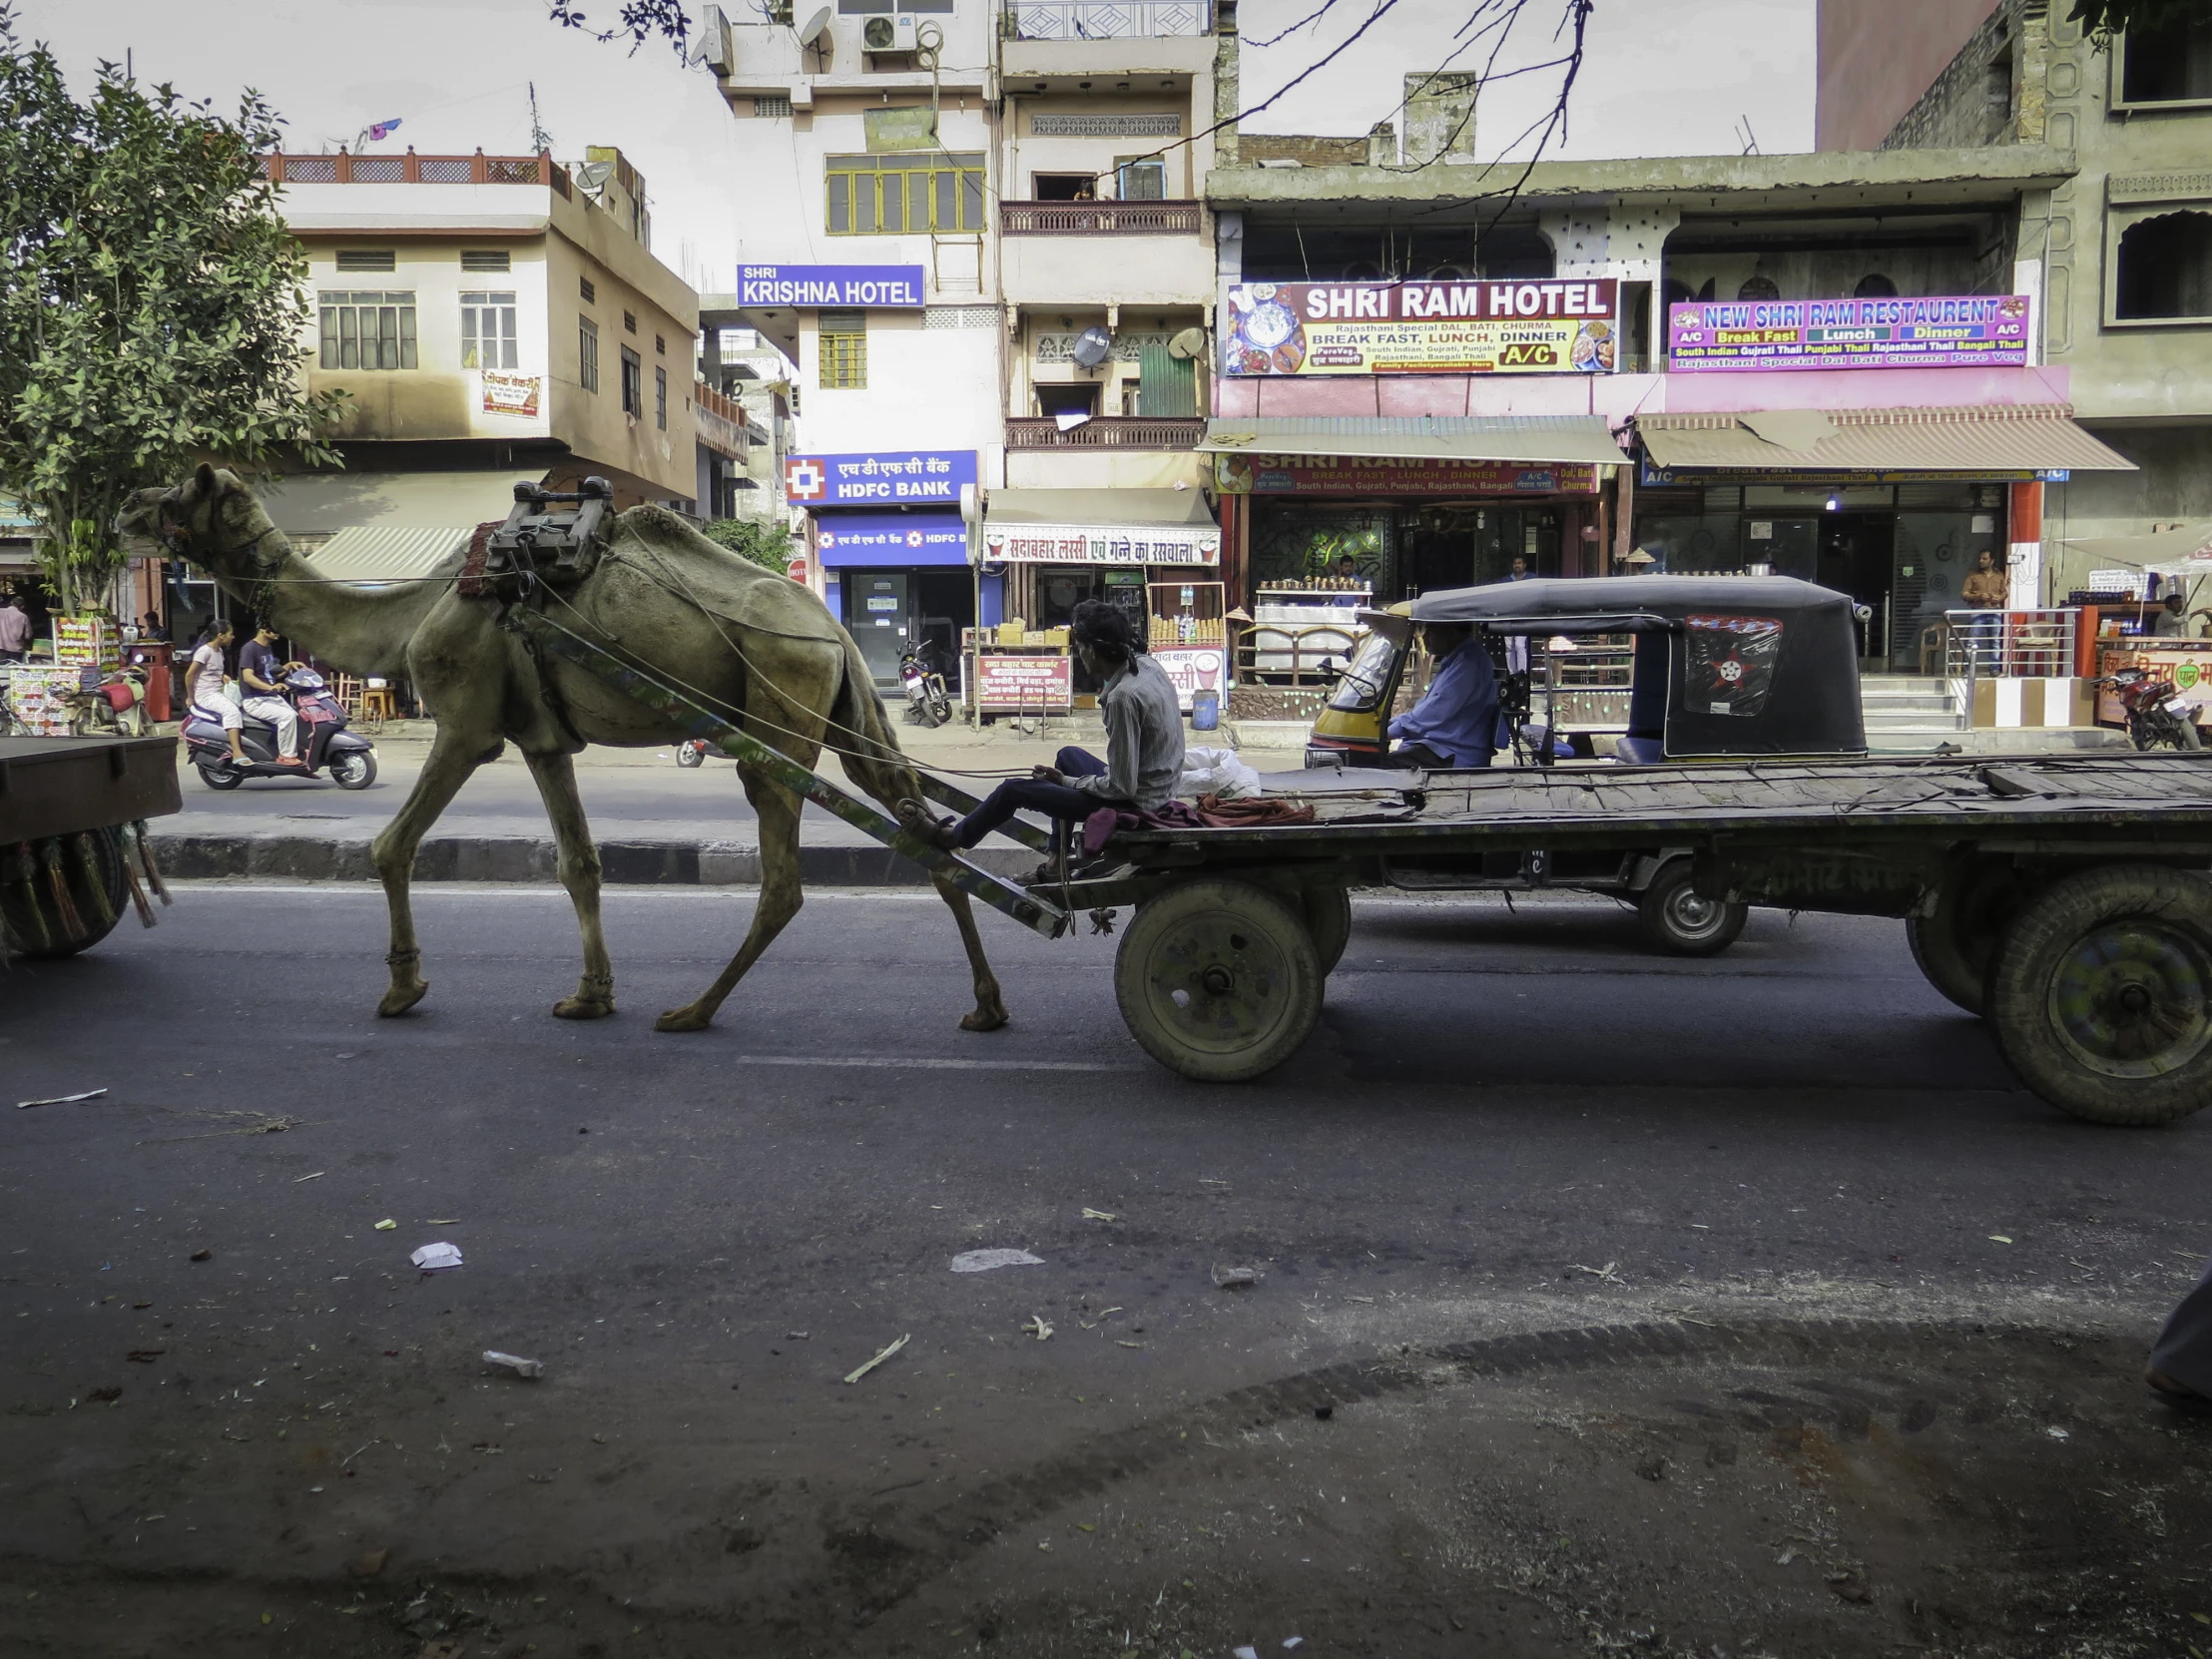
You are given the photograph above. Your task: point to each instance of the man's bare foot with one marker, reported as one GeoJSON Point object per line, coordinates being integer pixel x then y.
{"type": "Point", "coordinates": [919, 823]}
{"type": "Point", "coordinates": [289, 761]}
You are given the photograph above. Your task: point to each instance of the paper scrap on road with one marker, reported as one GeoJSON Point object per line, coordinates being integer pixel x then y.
{"type": "Point", "coordinates": [1999, 1237]}
{"type": "Point", "coordinates": [515, 1362]}
{"type": "Point", "coordinates": [1090, 1214]}
{"type": "Point", "coordinates": [387, 1224]}
{"type": "Point", "coordinates": [856, 1376]}
{"type": "Point", "coordinates": [1236, 1279]}
{"type": "Point", "coordinates": [59, 1100]}
{"type": "Point", "coordinates": [433, 1258]}
{"type": "Point", "coordinates": [982, 1261]}
{"type": "Point", "coordinates": [1035, 1322]}
{"type": "Point", "coordinates": [318, 1175]}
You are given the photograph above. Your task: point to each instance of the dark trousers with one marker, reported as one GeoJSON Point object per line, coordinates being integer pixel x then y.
{"type": "Point", "coordinates": [1035, 794]}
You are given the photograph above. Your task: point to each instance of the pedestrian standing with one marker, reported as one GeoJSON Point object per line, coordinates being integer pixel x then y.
{"type": "Point", "coordinates": [15, 629]}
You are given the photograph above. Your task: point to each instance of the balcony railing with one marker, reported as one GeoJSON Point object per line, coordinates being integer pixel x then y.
{"type": "Point", "coordinates": [1107, 19]}
{"type": "Point", "coordinates": [1105, 432]}
{"type": "Point", "coordinates": [1098, 218]}
{"type": "Point", "coordinates": [411, 169]}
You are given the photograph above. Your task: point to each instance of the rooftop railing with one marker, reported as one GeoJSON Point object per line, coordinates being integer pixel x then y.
{"type": "Point", "coordinates": [1107, 19]}
{"type": "Point", "coordinates": [1098, 218]}
{"type": "Point", "coordinates": [409, 168]}
{"type": "Point", "coordinates": [1105, 432]}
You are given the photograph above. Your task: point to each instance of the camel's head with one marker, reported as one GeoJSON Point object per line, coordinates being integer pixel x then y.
{"type": "Point", "coordinates": [206, 519]}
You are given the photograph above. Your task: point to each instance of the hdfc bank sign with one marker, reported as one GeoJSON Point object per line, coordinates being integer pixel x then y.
{"type": "Point", "coordinates": [914, 479]}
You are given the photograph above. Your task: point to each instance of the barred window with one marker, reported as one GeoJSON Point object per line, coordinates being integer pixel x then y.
{"type": "Point", "coordinates": [487, 330]}
{"type": "Point", "coordinates": [369, 330]}
{"type": "Point", "coordinates": [629, 322]}
{"type": "Point", "coordinates": [660, 398]}
{"type": "Point", "coordinates": [584, 287]}
{"type": "Point", "coordinates": [368, 259]}
{"type": "Point", "coordinates": [587, 353]}
{"type": "Point", "coordinates": [845, 350]}
{"type": "Point", "coordinates": [633, 382]}
{"type": "Point", "coordinates": [913, 190]}
{"type": "Point", "coordinates": [486, 260]}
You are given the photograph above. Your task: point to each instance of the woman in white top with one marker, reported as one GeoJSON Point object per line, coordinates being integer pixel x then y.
{"type": "Point", "coordinates": [203, 687]}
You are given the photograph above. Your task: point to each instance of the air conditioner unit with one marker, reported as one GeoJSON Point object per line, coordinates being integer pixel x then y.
{"type": "Point", "coordinates": [890, 34]}
{"type": "Point", "coordinates": [714, 47]}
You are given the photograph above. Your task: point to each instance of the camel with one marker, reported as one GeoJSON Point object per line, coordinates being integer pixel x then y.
{"type": "Point", "coordinates": [761, 651]}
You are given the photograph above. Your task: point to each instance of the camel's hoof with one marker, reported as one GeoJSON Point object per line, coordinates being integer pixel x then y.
{"type": "Point", "coordinates": [984, 1019]}
{"type": "Point", "coordinates": [682, 1020]}
{"type": "Point", "coordinates": [582, 1008]}
{"type": "Point", "coordinates": [401, 998]}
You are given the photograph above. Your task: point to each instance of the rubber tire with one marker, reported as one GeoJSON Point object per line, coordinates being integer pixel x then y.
{"type": "Point", "coordinates": [1956, 944]}
{"type": "Point", "coordinates": [2189, 739]}
{"type": "Point", "coordinates": [1665, 929]}
{"type": "Point", "coordinates": [686, 756]}
{"type": "Point", "coordinates": [2035, 949]}
{"type": "Point", "coordinates": [1264, 945]}
{"type": "Point", "coordinates": [346, 779]}
{"type": "Point", "coordinates": [219, 777]}
{"type": "Point", "coordinates": [108, 852]}
{"type": "Point", "coordinates": [1328, 920]}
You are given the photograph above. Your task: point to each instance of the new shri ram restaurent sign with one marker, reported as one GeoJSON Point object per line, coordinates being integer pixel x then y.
{"type": "Point", "coordinates": [1461, 327]}
{"type": "Point", "coordinates": [1946, 331]}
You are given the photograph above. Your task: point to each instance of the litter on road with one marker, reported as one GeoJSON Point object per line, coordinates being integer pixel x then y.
{"type": "Point", "coordinates": [432, 1258]}
{"type": "Point", "coordinates": [982, 1261]}
{"type": "Point", "coordinates": [856, 1376]}
{"type": "Point", "coordinates": [1090, 1214]}
{"type": "Point", "coordinates": [387, 1224]}
{"type": "Point", "coordinates": [60, 1099]}
{"type": "Point", "coordinates": [1236, 1279]}
{"type": "Point", "coordinates": [515, 1362]}
{"type": "Point", "coordinates": [1036, 1324]}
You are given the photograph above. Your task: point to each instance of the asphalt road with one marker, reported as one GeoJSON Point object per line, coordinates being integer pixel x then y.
{"type": "Point", "coordinates": [1885, 1397]}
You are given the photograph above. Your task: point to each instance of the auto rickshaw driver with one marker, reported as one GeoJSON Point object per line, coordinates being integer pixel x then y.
{"type": "Point", "coordinates": [1454, 725]}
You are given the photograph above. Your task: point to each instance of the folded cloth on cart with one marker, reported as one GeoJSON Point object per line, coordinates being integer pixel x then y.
{"type": "Point", "coordinates": [1210, 813]}
{"type": "Point", "coordinates": [1217, 772]}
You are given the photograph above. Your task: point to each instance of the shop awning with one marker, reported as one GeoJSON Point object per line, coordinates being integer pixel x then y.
{"type": "Point", "coordinates": [1098, 507]}
{"type": "Point", "coordinates": [2025, 439]}
{"type": "Point", "coordinates": [1100, 527]}
{"type": "Point", "coordinates": [324, 503]}
{"type": "Point", "coordinates": [395, 553]}
{"type": "Point", "coordinates": [2186, 551]}
{"type": "Point", "coordinates": [1538, 439]}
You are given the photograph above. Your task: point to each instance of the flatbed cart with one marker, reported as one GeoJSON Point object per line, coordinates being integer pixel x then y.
{"type": "Point", "coordinates": [72, 843]}
{"type": "Point", "coordinates": [2067, 899]}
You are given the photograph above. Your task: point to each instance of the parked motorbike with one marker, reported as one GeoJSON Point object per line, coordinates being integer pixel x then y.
{"type": "Point", "coordinates": [325, 745]}
{"type": "Point", "coordinates": [2157, 717]}
{"type": "Point", "coordinates": [927, 702]}
{"type": "Point", "coordinates": [115, 705]}
{"type": "Point", "coordinates": [692, 751]}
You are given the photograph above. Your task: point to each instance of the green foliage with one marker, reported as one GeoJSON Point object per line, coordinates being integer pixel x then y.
{"type": "Point", "coordinates": [767, 545]}
{"type": "Point", "coordinates": [2101, 20]}
{"type": "Point", "coordinates": [152, 302]}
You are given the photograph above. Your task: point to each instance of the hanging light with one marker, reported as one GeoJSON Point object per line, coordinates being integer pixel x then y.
{"type": "Point", "coordinates": [1835, 503]}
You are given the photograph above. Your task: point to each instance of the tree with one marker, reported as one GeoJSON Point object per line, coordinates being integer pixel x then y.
{"type": "Point", "coordinates": [767, 545]}
{"type": "Point", "coordinates": [151, 303]}
{"type": "Point", "coordinates": [2101, 20]}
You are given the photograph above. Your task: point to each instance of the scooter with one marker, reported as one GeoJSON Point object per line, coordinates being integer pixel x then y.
{"type": "Point", "coordinates": [2157, 717]}
{"type": "Point", "coordinates": [324, 742]}
{"type": "Point", "coordinates": [116, 705]}
{"type": "Point", "coordinates": [927, 702]}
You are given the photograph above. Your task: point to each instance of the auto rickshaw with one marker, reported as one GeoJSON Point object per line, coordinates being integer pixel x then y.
{"type": "Point", "coordinates": [1724, 666]}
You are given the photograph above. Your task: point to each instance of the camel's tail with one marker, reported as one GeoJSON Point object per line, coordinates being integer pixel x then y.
{"type": "Point", "coordinates": [869, 748]}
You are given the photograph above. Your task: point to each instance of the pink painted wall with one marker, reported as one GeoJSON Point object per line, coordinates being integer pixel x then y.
{"type": "Point", "coordinates": [1876, 59]}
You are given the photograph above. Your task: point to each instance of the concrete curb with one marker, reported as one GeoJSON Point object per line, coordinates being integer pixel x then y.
{"type": "Point", "coordinates": [534, 859]}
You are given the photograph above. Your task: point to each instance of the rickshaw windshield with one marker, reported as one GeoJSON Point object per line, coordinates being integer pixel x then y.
{"type": "Point", "coordinates": [1367, 676]}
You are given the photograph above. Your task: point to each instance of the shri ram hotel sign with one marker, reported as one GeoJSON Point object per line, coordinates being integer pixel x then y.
{"type": "Point", "coordinates": [856, 286]}
{"type": "Point", "coordinates": [1465, 328]}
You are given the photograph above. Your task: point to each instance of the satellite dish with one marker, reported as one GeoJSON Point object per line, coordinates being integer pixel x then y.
{"type": "Point", "coordinates": [1190, 342]}
{"type": "Point", "coordinates": [1092, 346]}
{"type": "Point", "coordinates": [811, 31]}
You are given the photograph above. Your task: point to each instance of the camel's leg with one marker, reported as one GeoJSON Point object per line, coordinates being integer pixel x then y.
{"type": "Point", "coordinates": [453, 759]}
{"type": "Point", "coordinates": [990, 1008]}
{"type": "Point", "coordinates": [579, 866]}
{"type": "Point", "coordinates": [780, 901]}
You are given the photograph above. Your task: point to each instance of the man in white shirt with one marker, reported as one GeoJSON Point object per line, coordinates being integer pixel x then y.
{"type": "Point", "coordinates": [15, 629]}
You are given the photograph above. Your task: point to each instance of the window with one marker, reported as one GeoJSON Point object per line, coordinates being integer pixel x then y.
{"type": "Point", "coordinates": [1079, 398]}
{"type": "Point", "coordinates": [1875, 285]}
{"type": "Point", "coordinates": [633, 382]}
{"type": "Point", "coordinates": [660, 345]}
{"type": "Point", "coordinates": [1063, 187]}
{"type": "Point", "coordinates": [845, 350]}
{"type": "Point", "coordinates": [2172, 64]}
{"type": "Point", "coordinates": [1142, 180]}
{"type": "Point", "coordinates": [2164, 269]}
{"type": "Point", "coordinates": [910, 190]}
{"type": "Point", "coordinates": [486, 260]}
{"type": "Point", "coordinates": [1759, 288]}
{"type": "Point", "coordinates": [774, 107]}
{"type": "Point", "coordinates": [369, 330]}
{"type": "Point", "coordinates": [368, 259]}
{"type": "Point", "coordinates": [660, 398]}
{"type": "Point", "coordinates": [629, 322]}
{"type": "Point", "coordinates": [587, 353]}
{"type": "Point", "coordinates": [487, 330]}
{"type": "Point", "coordinates": [584, 287]}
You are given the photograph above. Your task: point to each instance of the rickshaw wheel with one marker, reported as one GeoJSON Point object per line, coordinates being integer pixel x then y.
{"type": "Point", "coordinates": [1218, 981]}
{"type": "Point", "coordinates": [2101, 997]}
{"type": "Point", "coordinates": [1328, 920]}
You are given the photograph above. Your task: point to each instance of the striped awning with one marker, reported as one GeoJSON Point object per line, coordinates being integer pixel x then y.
{"type": "Point", "coordinates": [1551, 440]}
{"type": "Point", "coordinates": [2017, 439]}
{"type": "Point", "coordinates": [380, 553]}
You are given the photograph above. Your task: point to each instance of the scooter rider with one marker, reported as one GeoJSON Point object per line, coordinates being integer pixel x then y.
{"type": "Point", "coordinates": [204, 688]}
{"type": "Point", "coordinates": [263, 699]}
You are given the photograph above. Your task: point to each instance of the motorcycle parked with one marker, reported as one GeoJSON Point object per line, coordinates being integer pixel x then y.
{"type": "Point", "coordinates": [2157, 717]}
{"type": "Point", "coordinates": [927, 702]}
{"type": "Point", "coordinates": [114, 706]}
{"type": "Point", "coordinates": [324, 742]}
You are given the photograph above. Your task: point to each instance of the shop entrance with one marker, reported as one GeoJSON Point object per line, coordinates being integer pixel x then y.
{"type": "Point", "coordinates": [1859, 556]}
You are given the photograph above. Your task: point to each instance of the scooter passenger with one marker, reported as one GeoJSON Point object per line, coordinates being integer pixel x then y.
{"type": "Point", "coordinates": [204, 688]}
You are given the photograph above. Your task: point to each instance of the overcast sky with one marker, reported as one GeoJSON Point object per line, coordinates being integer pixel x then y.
{"type": "Point", "coordinates": [1662, 77]}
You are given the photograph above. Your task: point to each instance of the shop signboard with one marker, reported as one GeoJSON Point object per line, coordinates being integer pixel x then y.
{"type": "Point", "coordinates": [883, 479]}
{"type": "Point", "coordinates": [1396, 476]}
{"type": "Point", "coordinates": [1464, 327]}
{"type": "Point", "coordinates": [511, 395]}
{"type": "Point", "coordinates": [883, 540]}
{"type": "Point", "coordinates": [1103, 544]}
{"type": "Point", "coordinates": [1944, 331]}
{"type": "Point", "coordinates": [1192, 668]}
{"type": "Point", "coordinates": [87, 641]}
{"type": "Point", "coordinates": [1648, 475]}
{"type": "Point", "coordinates": [1008, 682]}
{"type": "Point", "coordinates": [842, 287]}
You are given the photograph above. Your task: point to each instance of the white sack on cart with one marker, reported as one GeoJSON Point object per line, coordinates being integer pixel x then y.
{"type": "Point", "coordinates": [1217, 772]}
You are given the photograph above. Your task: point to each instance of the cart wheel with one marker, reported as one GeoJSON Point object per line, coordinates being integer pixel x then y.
{"type": "Point", "coordinates": [31, 918]}
{"type": "Point", "coordinates": [1328, 920]}
{"type": "Point", "coordinates": [1218, 981]}
{"type": "Point", "coordinates": [2101, 997]}
{"type": "Point", "coordinates": [1676, 919]}
{"type": "Point", "coordinates": [1954, 943]}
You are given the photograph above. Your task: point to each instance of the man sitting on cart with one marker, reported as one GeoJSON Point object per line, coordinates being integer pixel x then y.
{"type": "Point", "coordinates": [1144, 745]}
{"type": "Point", "coordinates": [1454, 725]}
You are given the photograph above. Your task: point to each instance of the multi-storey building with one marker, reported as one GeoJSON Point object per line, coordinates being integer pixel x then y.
{"type": "Point", "coordinates": [2125, 236]}
{"type": "Point", "coordinates": [978, 234]}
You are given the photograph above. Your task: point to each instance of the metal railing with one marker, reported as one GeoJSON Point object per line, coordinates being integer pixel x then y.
{"type": "Point", "coordinates": [1107, 19]}
{"type": "Point", "coordinates": [1105, 432]}
{"type": "Point", "coordinates": [1098, 218]}
{"type": "Point", "coordinates": [2010, 645]}
{"type": "Point", "coordinates": [411, 169]}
